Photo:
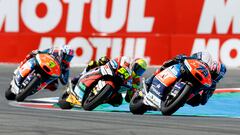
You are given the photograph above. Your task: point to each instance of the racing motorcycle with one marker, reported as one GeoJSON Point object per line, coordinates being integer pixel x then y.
{"type": "Point", "coordinates": [97, 86]}
{"type": "Point", "coordinates": [181, 81]}
{"type": "Point", "coordinates": [37, 73]}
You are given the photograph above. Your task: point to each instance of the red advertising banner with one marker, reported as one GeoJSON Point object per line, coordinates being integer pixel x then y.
{"type": "Point", "coordinates": [153, 29]}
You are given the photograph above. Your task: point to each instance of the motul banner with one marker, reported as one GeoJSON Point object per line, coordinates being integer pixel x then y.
{"type": "Point", "coordinates": [153, 29]}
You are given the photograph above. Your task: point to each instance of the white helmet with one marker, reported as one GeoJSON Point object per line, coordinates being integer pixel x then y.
{"type": "Point", "coordinates": [205, 57]}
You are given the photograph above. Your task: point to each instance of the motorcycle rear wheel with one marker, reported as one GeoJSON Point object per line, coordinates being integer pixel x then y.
{"type": "Point", "coordinates": [92, 101]}
{"type": "Point", "coordinates": [27, 91]}
{"type": "Point", "coordinates": [176, 103]}
{"type": "Point", "coordinates": [137, 106]}
{"type": "Point", "coordinates": [63, 103]}
{"type": "Point", "coordinates": [9, 94]}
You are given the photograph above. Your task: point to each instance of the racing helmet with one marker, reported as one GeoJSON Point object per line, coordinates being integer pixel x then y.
{"type": "Point", "coordinates": [204, 56]}
{"type": "Point", "coordinates": [103, 60]}
{"type": "Point", "coordinates": [66, 53]}
{"type": "Point", "coordinates": [217, 70]}
{"type": "Point", "coordinates": [139, 66]}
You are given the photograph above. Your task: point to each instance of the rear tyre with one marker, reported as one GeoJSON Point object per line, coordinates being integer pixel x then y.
{"type": "Point", "coordinates": [170, 106]}
{"type": "Point", "coordinates": [28, 90]}
{"type": "Point", "coordinates": [9, 94]}
{"type": "Point", "coordinates": [92, 101]}
{"type": "Point", "coordinates": [137, 106]}
{"type": "Point", "coordinates": [63, 104]}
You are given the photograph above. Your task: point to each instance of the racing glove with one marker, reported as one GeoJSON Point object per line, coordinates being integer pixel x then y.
{"type": "Point", "coordinates": [195, 100]}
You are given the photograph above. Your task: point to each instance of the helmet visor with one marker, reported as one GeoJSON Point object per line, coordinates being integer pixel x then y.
{"type": "Point", "coordinates": [138, 70]}
{"type": "Point", "coordinates": [68, 58]}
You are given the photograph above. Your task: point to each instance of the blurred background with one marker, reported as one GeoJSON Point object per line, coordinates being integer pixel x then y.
{"type": "Point", "coordinates": [154, 29]}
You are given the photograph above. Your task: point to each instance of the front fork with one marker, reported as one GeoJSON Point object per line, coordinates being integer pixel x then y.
{"type": "Point", "coordinates": [23, 71]}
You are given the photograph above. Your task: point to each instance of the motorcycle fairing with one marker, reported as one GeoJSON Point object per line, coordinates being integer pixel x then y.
{"type": "Point", "coordinates": [168, 76]}
{"type": "Point", "coordinates": [153, 97]}
{"type": "Point", "coordinates": [106, 70]}
{"type": "Point", "coordinates": [199, 71]}
{"type": "Point", "coordinates": [27, 67]}
{"type": "Point", "coordinates": [49, 64]}
{"type": "Point", "coordinates": [162, 80]}
{"type": "Point", "coordinates": [89, 78]}
{"type": "Point", "coordinates": [14, 88]}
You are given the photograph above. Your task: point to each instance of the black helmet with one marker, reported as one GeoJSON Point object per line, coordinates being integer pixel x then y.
{"type": "Point", "coordinates": [103, 60]}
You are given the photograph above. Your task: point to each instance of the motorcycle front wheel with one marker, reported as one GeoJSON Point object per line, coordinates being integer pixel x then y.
{"type": "Point", "coordinates": [28, 90]}
{"type": "Point", "coordinates": [136, 105]}
{"type": "Point", "coordinates": [172, 104]}
{"type": "Point", "coordinates": [92, 100]}
{"type": "Point", "coordinates": [9, 94]}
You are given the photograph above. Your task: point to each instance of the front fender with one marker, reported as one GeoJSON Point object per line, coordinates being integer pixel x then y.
{"type": "Point", "coordinates": [111, 84]}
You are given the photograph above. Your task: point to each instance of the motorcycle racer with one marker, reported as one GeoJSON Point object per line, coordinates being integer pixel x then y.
{"type": "Point", "coordinates": [64, 55]}
{"type": "Point", "coordinates": [136, 67]}
{"type": "Point", "coordinates": [217, 71]}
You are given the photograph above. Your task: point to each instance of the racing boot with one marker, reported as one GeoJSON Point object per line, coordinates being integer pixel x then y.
{"type": "Point", "coordinates": [75, 96]}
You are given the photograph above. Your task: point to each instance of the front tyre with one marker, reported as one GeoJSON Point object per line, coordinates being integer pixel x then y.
{"type": "Point", "coordinates": [9, 94]}
{"type": "Point", "coordinates": [92, 101]}
{"type": "Point", "coordinates": [136, 105]}
{"type": "Point", "coordinates": [171, 105]}
{"type": "Point", "coordinates": [28, 90]}
{"type": "Point", "coordinates": [63, 104]}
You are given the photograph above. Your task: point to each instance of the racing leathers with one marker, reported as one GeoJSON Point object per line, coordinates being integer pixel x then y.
{"type": "Point", "coordinates": [216, 75]}
{"type": "Point", "coordinates": [130, 85]}
{"type": "Point", "coordinates": [65, 66]}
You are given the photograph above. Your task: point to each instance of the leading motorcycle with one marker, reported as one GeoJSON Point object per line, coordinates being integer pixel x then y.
{"type": "Point", "coordinates": [32, 76]}
{"type": "Point", "coordinates": [181, 80]}
{"type": "Point", "coordinates": [97, 86]}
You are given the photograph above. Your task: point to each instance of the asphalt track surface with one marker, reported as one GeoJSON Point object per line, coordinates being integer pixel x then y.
{"type": "Point", "coordinates": [26, 121]}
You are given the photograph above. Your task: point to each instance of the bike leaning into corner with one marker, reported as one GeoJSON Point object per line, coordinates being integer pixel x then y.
{"type": "Point", "coordinates": [32, 76]}
{"type": "Point", "coordinates": [171, 88]}
{"type": "Point", "coordinates": [97, 86]}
